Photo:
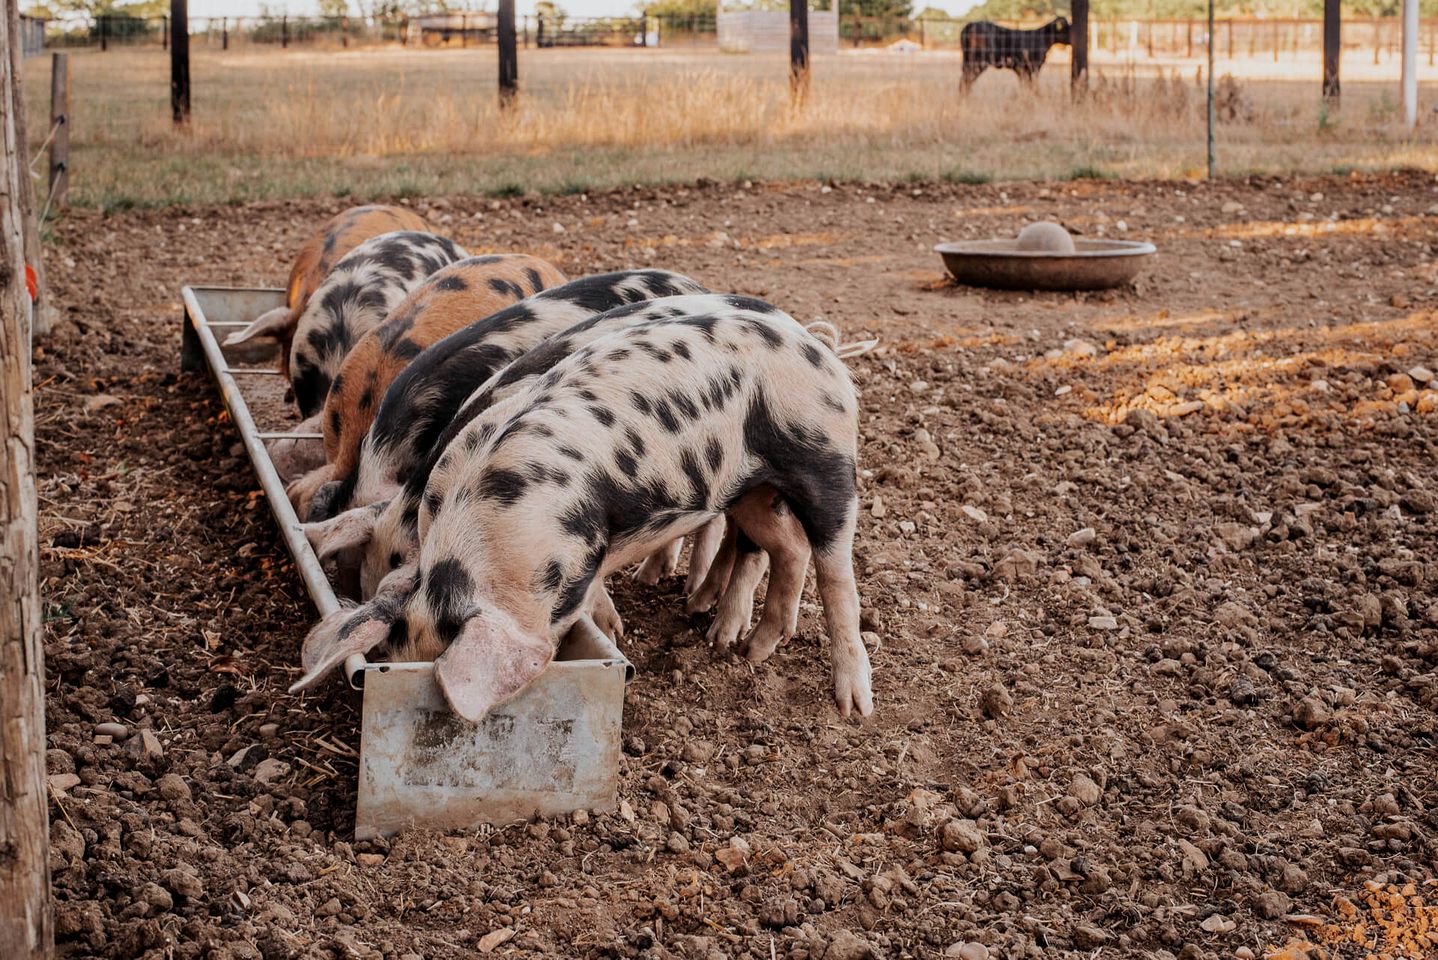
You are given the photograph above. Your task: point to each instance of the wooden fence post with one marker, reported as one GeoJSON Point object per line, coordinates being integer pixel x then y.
{"type": "Point", "coordinates": [224, 33]}
{"type": "Point", "coordinates": [1332, 48]}
{"type": "Point", "coordinates": [26, 925]}
{"type": "Point", "coordinates": [164, 33]}
{"type": "Point", "coordinates": [60, 120]}
{"type": "Point", "coordinates": [285, 32]}
{"type": "Point", "coordinates": [180, 61]}
{"type": "Point", "coordinates": [799, 51]}
{"type": "Point", "coordinates": [1078, 38]}
{"type": "Point", "coordinates": [30, 225]}
{"type": "Point", "coordinates": [104, 33]}
{"type": "Point", "coordinates": [508, 55]}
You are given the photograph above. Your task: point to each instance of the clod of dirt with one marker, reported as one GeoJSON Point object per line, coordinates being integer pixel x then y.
{"type": "Point", "coordinates": [1311, 713]}
{"type": "Point", "coordinates": [995, 701]}
{"type": "Point", "coordinates": [847, 945]}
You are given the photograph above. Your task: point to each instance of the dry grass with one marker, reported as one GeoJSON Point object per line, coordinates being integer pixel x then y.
{"type": "Point", "coordinates": [275, 124]}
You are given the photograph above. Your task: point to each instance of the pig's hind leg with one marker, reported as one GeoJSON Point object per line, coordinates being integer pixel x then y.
{"type": "Point", "coordinates": [705, 543]}
{"type": "Point", "coordinates": [834, 565]}
{"type": "Point", "coordinates": [736, 604]}
{"type": "Point", "coordinates": [717, 575]}
{"type": "Point", "coordinates": [767, 520]}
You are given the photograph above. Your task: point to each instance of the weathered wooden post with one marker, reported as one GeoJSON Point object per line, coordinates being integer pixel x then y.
{"type": "Point", "coordinates": [1410, 63]}
{"type": "Point", "coordinates": [285, 32]}
{"type": "Point", "coordinates": [104, 33]}
{"type": "Point", "coordinates": [1078, 39]}
{"type": "Point", "coordinates": [164, 33]}
{"type": "Point", "coordinates": [224, 33]}
{"type": "Point", "coordinates": [508, 55]}
{"type": "Point", "coordinates": [26, 926]}
{"type": "Point", "coordinates": [180, 61]}
{"type": "Point", "coordinates": [60, 120]}
{"type": "Point", "coordinates": [30, 223]}
{"type": "Point", "coordinates": [1332, 48]}
{"type": "Point", "coordinates": [799, 51]}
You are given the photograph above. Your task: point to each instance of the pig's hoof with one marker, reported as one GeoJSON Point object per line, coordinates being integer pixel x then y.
{"type": "Point", "coordinates": [724, 631]}
{"type": "Point", "coordinates": [611, 625]}
{"type": "Point", "coordinates": [699, 602]}
{"type": "Point", "coordinates": [851, 692]}
{"type": "Point", "coordinates": [760, 644]}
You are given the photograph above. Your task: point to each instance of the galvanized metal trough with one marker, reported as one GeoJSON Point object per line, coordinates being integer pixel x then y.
{"type": "Point", "coordinates": [551, 751]}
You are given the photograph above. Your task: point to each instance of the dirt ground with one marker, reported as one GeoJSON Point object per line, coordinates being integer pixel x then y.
{"type": "Point", "coordinates": [1148, 577]}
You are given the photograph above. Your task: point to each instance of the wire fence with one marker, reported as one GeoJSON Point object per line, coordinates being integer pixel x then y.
{"type": "Point", "coordinates": [433, 31]}
{"type": "Point", "coordinates": [1274, 39]}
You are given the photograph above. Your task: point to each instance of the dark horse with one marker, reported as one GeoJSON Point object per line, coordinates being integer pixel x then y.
{"type": "Point", "coordinates": [1022, 51]}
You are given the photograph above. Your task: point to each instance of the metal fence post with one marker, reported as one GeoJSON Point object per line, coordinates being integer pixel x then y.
{"type": "Point", "coordinates": [60, 120]}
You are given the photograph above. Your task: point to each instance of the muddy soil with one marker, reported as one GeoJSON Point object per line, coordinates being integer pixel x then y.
{"type": "Point", "coordinates": [1149, 578]}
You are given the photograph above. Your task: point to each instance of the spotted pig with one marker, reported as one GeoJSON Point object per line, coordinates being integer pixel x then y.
{"type": "Point", "coordinates": [640, 436]}
{"type": "Point", "coordinates": [423, 399]}
{"type": "Point", "coordinates": [447, 300]}
{"type": "Point", "coordinates": [317, 258]}
{"type": "Point", "coordinates": [387, 531]}
{"type": "Point", "coordinates": [355, 298]}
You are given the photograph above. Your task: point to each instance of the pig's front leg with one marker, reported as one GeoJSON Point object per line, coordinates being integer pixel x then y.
{"type": "Point", "coordinates": [602, 612]}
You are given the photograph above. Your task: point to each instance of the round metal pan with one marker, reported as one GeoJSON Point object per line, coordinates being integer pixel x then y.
{"type": "Point", "coordinates": [1094, 264]}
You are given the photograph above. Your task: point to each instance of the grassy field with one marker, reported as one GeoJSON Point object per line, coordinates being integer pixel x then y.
{"type": "Point", "coordinates": [273, 124]}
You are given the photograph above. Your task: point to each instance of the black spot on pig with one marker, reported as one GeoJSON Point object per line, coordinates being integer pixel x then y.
{"type": "Point", "coordinates": [311, 387]}
{"type": "Point", "coordinates": [570, 452]}
{"type": "Point", "coordinates": [750, 304]}
{"type": "Point", "coordinates": [714, 453]}
{"type": "Point", "coordinates": [407, 349]}
{"type": "Point", "coordinates": [335, 421]}
{"type": "Point", "coordinates": [448, 590]}
{"type": "Point", "coordinates": [657, 353]}
{"type": "Point", "coordinates": [641, 402]}
{"type": "Point", "coordinates": [698, 480]}
{"type": "Point", "coordinates": [625, 461]}
{"type": "Point", "coordinates": [505, 486]}
{"type": "Point", "coordinates": [636, 442]}
{"type": "Point", "coordinates": [552, 576]}
{"type": "Point", "coordinates": [682, 349]}
{"type": "Point", "coordinates": [768, 334]}
{"type": "Point", "coordinates": [453, 283]}
{"type": "Point", "coordinates": [666, 417]}
{"type": "Point", "coordinates": [366, 399]}
{"type": "Point", "coordinates": [536, 282]}
{"type": "Point", "coordinates": [506, 287]}
{"type": "Point", "coordinates": [603, 415]}
{"type": "Point", "coordinates": [814, 354]}
{"type": "Point", "coordinates": [684, 405]}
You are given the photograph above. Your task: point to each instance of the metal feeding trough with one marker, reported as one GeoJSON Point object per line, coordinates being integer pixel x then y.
{"type": "Point", "coordinates": [553, 750]}
{"type": "Point", "coordinates": [1045, 257]}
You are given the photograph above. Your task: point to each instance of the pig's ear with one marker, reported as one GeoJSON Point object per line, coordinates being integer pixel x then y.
{"type": "Point", "coordinates": [490, 662]}
{"type": "Point", "coordinates": [353, 528]}
{"type": "Point", "coordinates": [276, 324]}
{"type": "Point", "coordinates": [334, 638]}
